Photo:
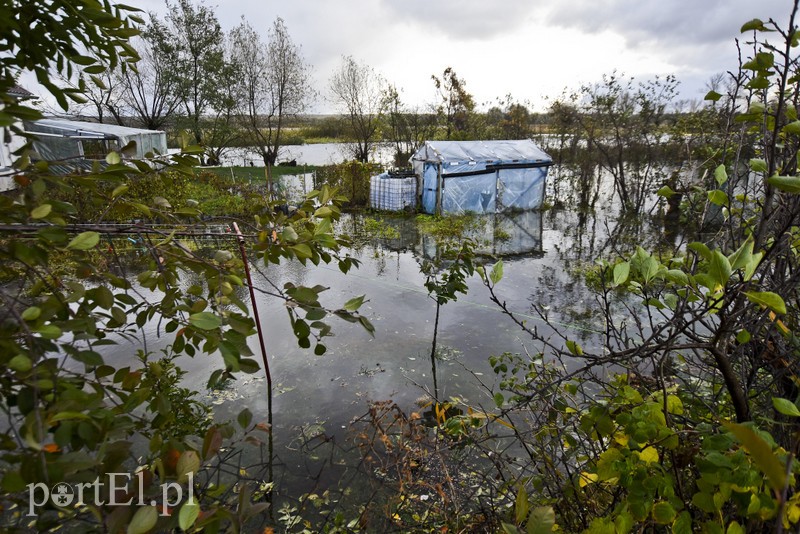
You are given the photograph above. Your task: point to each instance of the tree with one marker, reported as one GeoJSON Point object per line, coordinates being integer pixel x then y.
{"type": "Point", "coordinates": [150, 91]}
{"type": "Point", "coordinates": [102, 93]}
{"type": "Point", "coordinates": [194, 42]}
{"type": "Point", "coordinates": [456, 106]}
{"type": "Point", "coordinates": [359, 91]}
{"type": "Point", "coordinates": [273, 84]}
{"type": "Point", "coordinates": [408, 128]}
{"type": "Point", "coordinates": [41, 36]}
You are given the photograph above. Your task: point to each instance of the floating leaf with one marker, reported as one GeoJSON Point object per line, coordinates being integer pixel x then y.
{"type": "Point", "coordinates": [712, 96]}
{"type": "Point", "coordinates": [84, 241]}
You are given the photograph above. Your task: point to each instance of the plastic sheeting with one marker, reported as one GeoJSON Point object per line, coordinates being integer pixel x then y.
{"type": "Point", "coordinates": [481, 176]}
{"type": "Point", "coordinates": [62, 140]}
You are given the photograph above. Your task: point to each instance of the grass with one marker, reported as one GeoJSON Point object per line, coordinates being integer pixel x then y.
{"type": "Point", "coordinates": [256, 174]}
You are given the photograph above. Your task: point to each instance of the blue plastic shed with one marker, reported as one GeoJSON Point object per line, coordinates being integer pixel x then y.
{"type": "Point", "coordinates": [480, 176]}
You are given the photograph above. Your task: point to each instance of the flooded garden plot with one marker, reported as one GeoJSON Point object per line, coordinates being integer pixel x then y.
{"type": "Point", "coordinates": [309, 443]}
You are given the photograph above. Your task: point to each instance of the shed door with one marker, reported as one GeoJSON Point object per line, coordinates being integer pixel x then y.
{"type": "Point", "coordinates": [429, 182]}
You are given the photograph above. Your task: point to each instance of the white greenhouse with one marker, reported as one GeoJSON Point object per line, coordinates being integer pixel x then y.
{"type": "Point", "coordinates": [480, 176]}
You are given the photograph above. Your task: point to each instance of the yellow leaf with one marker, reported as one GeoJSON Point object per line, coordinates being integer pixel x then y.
{"type": "Point", "coordinates": [621, 438]}
{"type": "Point", "coordinates": [587, 478]}
{"type": "Point", "coordinates": [649, 455]}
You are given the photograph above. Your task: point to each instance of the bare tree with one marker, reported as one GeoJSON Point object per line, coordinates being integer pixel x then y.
{"type": "Point", "coordinates": [150, 94]}
{"type": "Point", "coordinates": [101, 93]}
{"type": "Point", "coordinates": [360, 93]}
{"type": "Point", "coordinates": [273, 84]}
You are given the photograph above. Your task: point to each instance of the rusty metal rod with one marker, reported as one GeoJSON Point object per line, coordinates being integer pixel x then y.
{"type": "Point", "coordinates": [255, 314]}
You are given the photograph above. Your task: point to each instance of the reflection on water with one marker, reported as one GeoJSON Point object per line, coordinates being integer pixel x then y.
{"type": "Point", "coordinates": [546, 254]}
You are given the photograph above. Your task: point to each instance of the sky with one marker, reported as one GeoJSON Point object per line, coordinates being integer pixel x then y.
{"type": "Point", "coordinates": [532, 50]}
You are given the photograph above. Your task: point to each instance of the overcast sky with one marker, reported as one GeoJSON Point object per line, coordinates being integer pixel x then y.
{"type": "Point", "coordinates": [527, 48]}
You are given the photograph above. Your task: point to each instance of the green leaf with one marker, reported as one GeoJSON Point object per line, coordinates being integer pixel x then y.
{"type": "Point", "coordinates": [719, 268]}
{"type": "Point", "coordinates": [718, 197]}
{"type": "Point", "coordinates": [188, 514]}
{"type": "Point", "coordinates": [32, 313]}
{"type": "Point", "coordinates": [119, 190]}
{"type": "Point", "coordinates": [665, 192]}
{"type": "Point", "coordinates": [521, 505]}
{"type": "Point", "coordinates": [84, 241]}
{"type": "Point", "coordinates": [189, 462]}
{"type": "Point", "coordinates": [498, 399]}
{"type": "Point", "coordinates": [663, 513]}
{"type": "Point", "coordinates": [20, 363]}
{"type": "Point", "coordinates": [743, 336]}
{"type": "Point", "coordinates": [496, 274]}
{"type": "Point", "coordinates": [712, 96]}
{"type": "Point", "coordinates": [574, 348]}
{"type": "Point", "coordinates": [790, 184]}
{"type": "Point", "coordinates": [143, 520]}
{"type": "Point", "coordinates": [755, 24]}
{"type": "Point", "coordinates": [244, 418]}
{"type": "Point", "coordinates": [542, 520]}
{"type": "Point", "coordinates": [762, 454]}
{"type": "Point", "coordinates": [735, 528]}
{"type": "Point", "coordinates": [785, 406]}
{"type": "Point", "coordinates": [721, 174]}
{"type": "Point", "coordinates": [112, 158]}
{"type": "Point", "coordinates": [205, 321]}
{"type": "Point", "coordinates": [40, 212]}
{"type": "Point", "coordinates": [792, 128]}
{"type": "Point", "coordinates": [742, 256]}
{"type": "Point", "coordinates": [354, 303]}
{"type": "Point", "coordinates": [769, 299]}
{"type": "Point", "coordinates": [621, 272]}
{"type": "Point", "coordinates": [683, 525]}
{"type": "Point", "coordinates": [758, 165]}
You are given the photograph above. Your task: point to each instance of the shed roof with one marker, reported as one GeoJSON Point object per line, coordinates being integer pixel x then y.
{"type": "Point", "coordinates": [89, 129]}
{"type": "Point", "coordinates": [468, 157]}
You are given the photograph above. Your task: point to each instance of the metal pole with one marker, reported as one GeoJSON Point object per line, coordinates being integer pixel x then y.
{"type": "Point", "coordinates": [255, 314]}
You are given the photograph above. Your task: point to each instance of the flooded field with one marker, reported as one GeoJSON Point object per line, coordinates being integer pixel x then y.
{"type": "Point", "coordinates": [316, 399]}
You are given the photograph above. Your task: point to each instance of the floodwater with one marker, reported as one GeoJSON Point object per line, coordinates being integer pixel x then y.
{"type": "Point", "coordinates": [311, 154]}
{"type": "Point", "coordinates": [316, 398]}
